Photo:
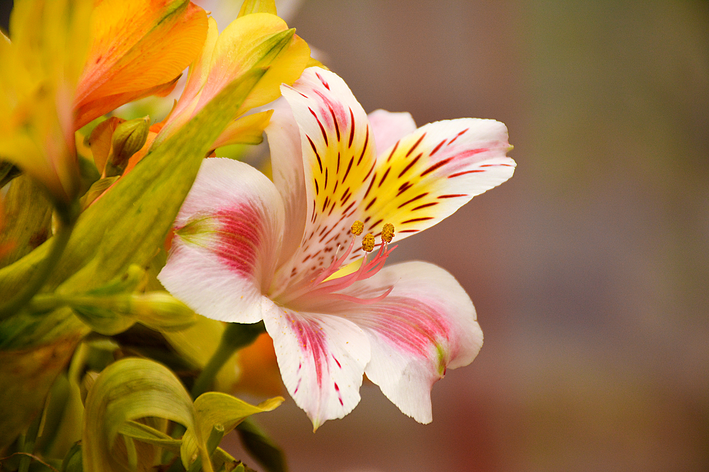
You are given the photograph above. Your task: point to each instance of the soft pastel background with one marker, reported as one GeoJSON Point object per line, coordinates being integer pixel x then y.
{"type": "Point", "coordinates": [589, 269]}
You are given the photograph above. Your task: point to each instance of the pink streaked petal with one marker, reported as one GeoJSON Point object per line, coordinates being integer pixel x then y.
{"type": "Point", "coordinates": [427, 324]}
{"type": "Point", "coordinates": [321, 358]}
{"type": "Point", "coordinates": [388, 127]}
{"type": "Point", "coordinates": [429, 174]}
{"type": "Point", "coordinates": [338, 157]}
{"type": "Point", "coordinates": [199, 278]}
{"type": "Point", "coordinates": [226, 244]}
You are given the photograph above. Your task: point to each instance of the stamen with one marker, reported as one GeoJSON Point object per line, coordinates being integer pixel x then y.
{"type": "Point", "coordinates": [357, 228]}
{"type": "Point", "coordinates": [323, 285]}
{"type": "Point", "coordinates": [388, 232]}
{"type": "Point", "coordinates": [368, 243]}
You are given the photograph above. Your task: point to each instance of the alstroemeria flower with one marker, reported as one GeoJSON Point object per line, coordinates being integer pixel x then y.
{"type": "Point", "coordinates": [247, 41]}
{"type": "Point", "coordinates": [247, 249]}
{"type": "Point", "coordinates": [72, 61]}
{"type": "Point", "coordinates": [39, 70]}
{"type": "Point", "coordinates": [138, 48]}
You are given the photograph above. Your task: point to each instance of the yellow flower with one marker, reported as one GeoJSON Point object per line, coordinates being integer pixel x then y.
{"type": "Point", "coordinates": [39, 70]}
{"type": "Point", "coordinates": [256, 39]}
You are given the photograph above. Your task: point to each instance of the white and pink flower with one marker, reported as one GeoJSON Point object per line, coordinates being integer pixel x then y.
{"type": "Point", "coordinates": [248, 249]}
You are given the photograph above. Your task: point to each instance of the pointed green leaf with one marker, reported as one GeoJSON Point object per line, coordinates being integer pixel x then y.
{"type": "Point", "coordinates": [146, 434]}
{"type": "Point", "coordinates": [127, 390]}
{"type": "Point", "coordinates": [64, 411]}
{"type": "Point", "coordinates": [72, 461]}
{"type": "Point", "coordinates": [214, 408]}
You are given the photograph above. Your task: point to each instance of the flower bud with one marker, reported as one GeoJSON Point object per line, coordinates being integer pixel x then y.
{"type": "Point", "coordinates": [129, 138]}
{"type": "Point", "coordinates": [160, 310]}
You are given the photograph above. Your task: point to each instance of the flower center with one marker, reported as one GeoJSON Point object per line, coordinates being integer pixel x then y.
{"type": "Point", "coordinates": [327, 282]}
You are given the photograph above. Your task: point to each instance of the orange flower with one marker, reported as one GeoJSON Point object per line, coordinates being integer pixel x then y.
{"type": "Point", "coordinates": [138, 48]}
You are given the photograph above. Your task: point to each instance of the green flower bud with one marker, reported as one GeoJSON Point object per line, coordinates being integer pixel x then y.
{"type": "Point", "coordinates": [129, 138]}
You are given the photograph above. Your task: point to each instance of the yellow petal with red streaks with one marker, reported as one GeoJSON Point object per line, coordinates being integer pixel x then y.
{"type": "Point", "coordinates": [426, 176]}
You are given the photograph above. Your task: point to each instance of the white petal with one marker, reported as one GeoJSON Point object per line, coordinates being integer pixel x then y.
{"type": "Point", "coordinates": [227, 241]}
{"type": "Point", "coordinates": [287, 164]}
{"type": "Point", "coordinates": [388, 127]}
{"type": "Point", "coordinates": [321, 358]}
{"type": "Point", "coordinates": [427, 324]}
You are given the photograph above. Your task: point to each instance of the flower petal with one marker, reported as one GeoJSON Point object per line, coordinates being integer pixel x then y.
{"type": "Point", "coordinates": [388, 127]}
{"type": "Point", "coordinates": [429, 174]}
{"type": "Point", "coordinates": [258, 39]}
{"type": "Point", "coordinates": [321, 358]}
{"type": "Point", "coordinates": [424, 326]}
{"type": "Point", "coordinates": [287, 165]}
{"type": "Point", "coordinates": [338, 157]}
{"type": "Point", "coordinates": [227, 240]}
{"type": "Point", "coordinates": [137, 46]}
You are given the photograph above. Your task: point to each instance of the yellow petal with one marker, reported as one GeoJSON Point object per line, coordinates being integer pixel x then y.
{"type": "Point", "coordinates": [254, 39]}
{"type": "Point", "coordinates": [237, 50]}
{"type": "Point", "coordinates": [246, 130]}
{"type": "Point", "coordinates": [38, 72]}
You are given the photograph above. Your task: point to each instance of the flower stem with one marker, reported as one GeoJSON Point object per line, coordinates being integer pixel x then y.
{"type": "Point", "coordinates": [45, 267]}
{"type": "Point", "coordinates": [236, 336]}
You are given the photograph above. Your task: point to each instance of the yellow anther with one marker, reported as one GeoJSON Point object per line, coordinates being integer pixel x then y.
{"type": "Point", "coordinates": [388, 232]}
{"type": "Point", "coordinates": [357, 228]}
{"type": "Point", "coordinates": [368, 243]}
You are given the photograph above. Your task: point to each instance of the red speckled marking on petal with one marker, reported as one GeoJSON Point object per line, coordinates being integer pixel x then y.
{"type": "Point", "coordinates": [239, 237]}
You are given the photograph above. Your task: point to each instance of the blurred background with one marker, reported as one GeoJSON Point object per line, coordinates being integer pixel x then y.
{"type": "Point", "coordinates": [589, 268]}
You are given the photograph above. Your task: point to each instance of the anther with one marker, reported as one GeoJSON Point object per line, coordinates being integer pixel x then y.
{"type": "Point", "coordinates": [388, 232]}
{"type": "Point", "coordinates": [368, 243]}
{"type": "Point", "coordinates": [357, 228]}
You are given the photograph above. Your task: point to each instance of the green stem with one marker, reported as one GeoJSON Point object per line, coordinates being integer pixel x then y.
{"type": "Point", "coordinates": [236, 336]}
{"type": "Point", "coordinates": [44, 269]}
{"type": "Point", "coordinates": [27, 445]}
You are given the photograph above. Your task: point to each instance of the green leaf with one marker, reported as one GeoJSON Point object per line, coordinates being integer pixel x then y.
{"type": "Point", "coordinates": [212, 409]}
{"type": "Point", "coordinates": [61, 426]}
{"type": "Point", "coordinates": [261, 447]}
{"type": "Point", "coordinates": [146, 434]}
{"type": "Point", "coordinates": [25, 226]}
{"type": "Point", "coordinates": [72, 461]}
{"type": "Point", "coordinates": [130, 389]}
{"type": "Point", "coordinates": [26, 376]}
